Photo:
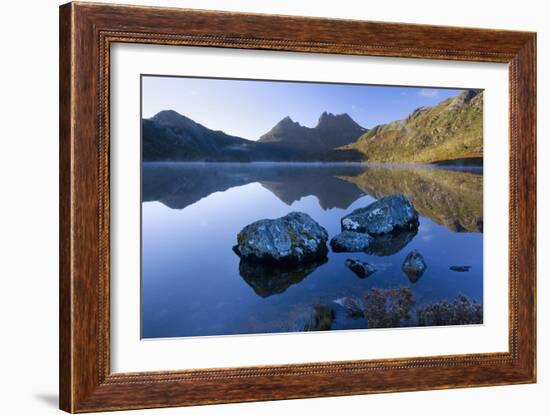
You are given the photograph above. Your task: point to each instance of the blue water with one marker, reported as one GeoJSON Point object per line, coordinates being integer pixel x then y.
{"type": "Point", "coordinates": [191, 214]}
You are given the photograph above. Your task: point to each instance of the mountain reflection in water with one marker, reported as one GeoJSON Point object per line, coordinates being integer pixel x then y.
{"type": "Point", "coordinates": [194, 285]}
{"type": "Point", "coordinates": [449, 197]}
{"type": "Point", "coordinates": [452, 198]}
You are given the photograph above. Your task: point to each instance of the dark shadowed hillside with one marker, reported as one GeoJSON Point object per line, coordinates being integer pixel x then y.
{"type": "Point", "coordinates": [171, 136]}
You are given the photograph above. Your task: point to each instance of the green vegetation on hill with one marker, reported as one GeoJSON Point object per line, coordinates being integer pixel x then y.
{"type": "Point", "coordinates": [450, 130]}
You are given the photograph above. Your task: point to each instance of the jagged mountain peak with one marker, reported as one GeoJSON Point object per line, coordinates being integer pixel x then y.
{"type": "Point", "coordinates": [326, 116]}
{"type": "Point", "coordinates": [465, 97]}
{"type": "Point", "coordinates": [468, 95]}
{"type": "Point", "coordinates": [331, 131]}
{"type": "Point", "coordinates": [287, 126]}
{"type": "Point", "coordinates": [329, 116]}
{"type": "Point", "coordinates": [330, 120]}
{"type": "Point", "coordinates": [452, 129]}
{"type": "Point", "coordinates": [287, 121]}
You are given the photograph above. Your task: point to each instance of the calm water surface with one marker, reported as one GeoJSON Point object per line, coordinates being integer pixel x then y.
{"type": "Point", "coordinates": [192, 284]}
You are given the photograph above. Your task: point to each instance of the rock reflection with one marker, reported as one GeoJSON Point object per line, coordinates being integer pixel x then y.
{"type": "Point", "coordinates": [386, 245]}
{"type": "Point", "coordinates": [268, 279]}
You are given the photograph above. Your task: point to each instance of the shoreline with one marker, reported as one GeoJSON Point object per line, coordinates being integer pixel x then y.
{"type": "Point", "coordinates": [445, 165]}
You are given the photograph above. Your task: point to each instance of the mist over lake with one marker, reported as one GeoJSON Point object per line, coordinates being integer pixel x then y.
{"type": "Point", "coordinates": [194, 284]}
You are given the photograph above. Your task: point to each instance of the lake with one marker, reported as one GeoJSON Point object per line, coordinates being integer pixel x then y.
{"type": "Point", "coordinates": [193, 284]}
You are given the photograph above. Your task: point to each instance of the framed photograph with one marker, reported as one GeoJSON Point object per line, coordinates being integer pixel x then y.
{"type": "Point", "coordinates": [260, 207]}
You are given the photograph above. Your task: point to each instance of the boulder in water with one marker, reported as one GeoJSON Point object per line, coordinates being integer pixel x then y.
{"type": "Point", "coordinates": [360, 268]}
{"type": "Point", "coordinates": [390, 214]}
{"type": "Point", "coordinates": [292, 239]}
{"type": "Point", "coordinates": [414, 265]}
{"type": "Point", "coordinates": [349, 241]}
{"type": "Point", "coordinates": [390, 244]}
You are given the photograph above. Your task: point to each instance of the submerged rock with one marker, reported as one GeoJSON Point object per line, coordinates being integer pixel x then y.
{"type": "Point", "coordinates": [382, 245]}
{"type": "Point", "coordinates": [349, 241]}
{"type": "Point", "coordinates": [390, 214]}
{"type": "Point", "coordinates": [460, 268]}
{"type": "Point", "coordinates": [322, 318]}
{"type": "Point", "coordinates": [292, 239]}
{"type": "Point", "coordinates": [414, 265]}
{"type": "Point", "coordinates": [353, 306]}
{"type": "Point", "coordinates": [390, 244]}
{"type": "Point", "coordinates": [360, 268]}
{"type": "Point", "coordinates": [269, 279]}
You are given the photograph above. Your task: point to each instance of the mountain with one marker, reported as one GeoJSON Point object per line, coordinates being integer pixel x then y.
{"type": "Point", "coordinates": [171, 136]}
{"type": "Point", "coordinates": [445, 133]}
{"type": "Point", "coordinates": [330, 132]}
{"type": "Point", "coordinates": [452, 130]}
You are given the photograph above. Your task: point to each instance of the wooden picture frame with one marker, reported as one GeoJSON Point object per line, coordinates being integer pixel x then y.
{"type": "Point", "coordinates": [86, 33]}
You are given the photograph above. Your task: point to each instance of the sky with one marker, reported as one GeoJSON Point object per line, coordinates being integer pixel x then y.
{"type": "Point", "coordinates": [250, 108]}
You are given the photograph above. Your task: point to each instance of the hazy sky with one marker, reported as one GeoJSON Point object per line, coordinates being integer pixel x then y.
{"type": "Point", "coordinates": [249, 109]}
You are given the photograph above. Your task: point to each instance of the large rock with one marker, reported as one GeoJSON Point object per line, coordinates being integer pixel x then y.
{"type": "Point", "coordinates": [292, 239]}
{"type": "Point", "coordinates": [349, 241]}
{"type": "Point", "coordinates": [391, 214]}
{"type": "Point", "coordinates": [414, 265]}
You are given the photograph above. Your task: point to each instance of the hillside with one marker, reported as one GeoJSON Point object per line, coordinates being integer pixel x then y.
{"type": "Point", "coordinates": [447, 132]}
{"type": "Point", "coordinates": [171, 136]}
{"type": "Point", "coordinates": [451, 130]}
